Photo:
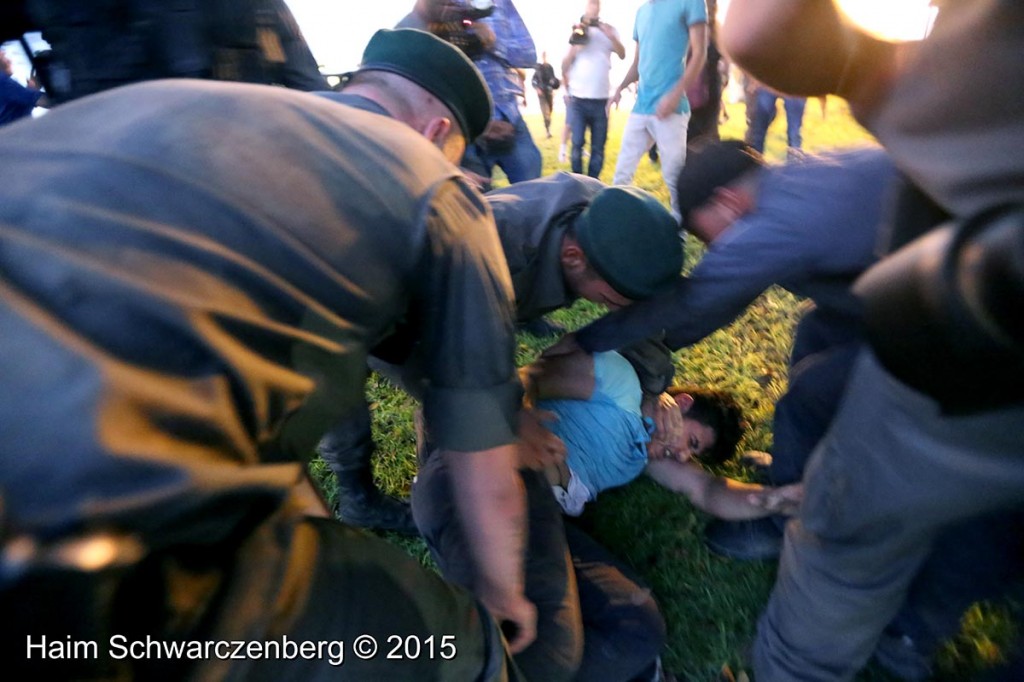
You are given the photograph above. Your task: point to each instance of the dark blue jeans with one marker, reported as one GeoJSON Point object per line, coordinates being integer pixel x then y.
{"type": "Point", "coordinates": [593, 114]}
{"type": "Point", "coordinates": [764, 114]}
{"type": "Point", "coordinates": [825, 348]}
{"type": "Point", "coordinates": [594, 619]}
{"type": "Point", "coordinates": [520, 162]}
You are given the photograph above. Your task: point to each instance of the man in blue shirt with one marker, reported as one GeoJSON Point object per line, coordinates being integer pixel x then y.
{"type": "Point", "coordinates": [504, 44]}
{"type": "Point", "coordinates": [671, 46]}
{"type": "Point", "coordinates": [809, 227]}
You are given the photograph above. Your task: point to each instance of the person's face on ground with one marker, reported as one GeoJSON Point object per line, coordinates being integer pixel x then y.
{"type": "Point", "coordinates": [694, 439]}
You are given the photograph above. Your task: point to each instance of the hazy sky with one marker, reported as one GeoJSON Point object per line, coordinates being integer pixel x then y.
{"type": "Point", "coordinates": [337, 30]}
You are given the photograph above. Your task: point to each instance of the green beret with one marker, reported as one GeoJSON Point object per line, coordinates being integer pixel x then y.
{"type": "Point", "coordinates": [438, 67]}
{"type": "Point", "coordinates": [711, 167]}
{"type": "Point", "coordinates": [631, 240]}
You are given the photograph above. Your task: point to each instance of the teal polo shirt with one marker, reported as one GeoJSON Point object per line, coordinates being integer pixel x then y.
{"type": "Point", "coordinates": [662, 29]}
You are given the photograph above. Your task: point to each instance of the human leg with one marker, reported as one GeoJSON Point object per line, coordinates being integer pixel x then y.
{"type": "Point", "coordinates": [348, 449]}
{"type": "Point", "coordinates": [578, 125]}
{"type": "Point", "coordinates": [623, 628]}
{"type": "Point", "coordinates": [320, 581]}
{"type": "Point", "coordinates": [636, 140]}
{"type": "Point", "coordinates": [670, 135]}
{"type": "Point", "coordinates": [802, 417]}
{"type": "Point", "coordinates": [566, 130]}
{"type": "Point", "coordinates": [523, 161]}
{"type": "Point", "coordinates": [972, 561]}
{"type": "Point", "coordinates": [794, 107]}
{"type": "Point", "coordinates": [825, 348]}
{"type": "Point", "coordinates": [477, 160]}
{"type": "Point", "coordinates": [890, 474]}
{"type": "Point", "coordinates": [544, 99]}
{"type": "Point", "coordinates": [598, 136]}
{"type": "Point", "coordinates": [764, 114]}
{"type": "Point", "coordinates": [550, 581]}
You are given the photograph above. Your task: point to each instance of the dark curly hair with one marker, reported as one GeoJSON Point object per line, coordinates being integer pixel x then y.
{"type": "Point", "coordinates": [719, 411]}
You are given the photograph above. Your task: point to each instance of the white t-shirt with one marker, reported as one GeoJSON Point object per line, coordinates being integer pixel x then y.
{"type": "Point", "coordinates": [588, 75]}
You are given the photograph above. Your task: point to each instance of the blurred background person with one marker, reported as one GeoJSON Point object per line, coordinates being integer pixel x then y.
{"type": "Point", "coordinates": [585, 73]}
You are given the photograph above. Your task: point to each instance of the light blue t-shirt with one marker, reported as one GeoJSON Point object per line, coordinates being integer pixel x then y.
{"type": "Point", "coordinates": [605, 436]}
{"type": "Point", "coordinates": [663, 30]}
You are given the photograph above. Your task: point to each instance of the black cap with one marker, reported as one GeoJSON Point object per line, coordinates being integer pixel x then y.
{"type": "Point", "coordinates": [438, 67]}
{"type": "Point", "coordinates": [714, 166]}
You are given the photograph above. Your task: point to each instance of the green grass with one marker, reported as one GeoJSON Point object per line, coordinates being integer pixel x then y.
{"type": "Point", "coordinates": [711, 604]}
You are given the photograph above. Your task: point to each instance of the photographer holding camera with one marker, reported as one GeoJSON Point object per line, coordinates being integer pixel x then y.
{"type": "Point", "coordinates": [585, 72]}
{"type": "Point", "coordinates": [494, 36]}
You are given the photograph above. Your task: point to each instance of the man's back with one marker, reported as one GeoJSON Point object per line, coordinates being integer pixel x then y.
{"type": "Point", "coordinates": [179, 258]}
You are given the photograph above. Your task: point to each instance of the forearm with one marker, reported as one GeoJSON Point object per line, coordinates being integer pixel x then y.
{"type": "Point", "coordinates": [491, 504]}
{"type": "Point", "coordinates": [727, 498]}
{"type": "Point", "coordinates": [632, 76]}
{"type": "Point", "coordinates": [696, 57]}
{"type": "Point", "coordinates": [716, 495]}
{"type": "Point", "coordinates": [567, 65]}
{"type": "Point", "coordinates": [617, 47]}
{"type": "Point", "coordinates": [694, 64]}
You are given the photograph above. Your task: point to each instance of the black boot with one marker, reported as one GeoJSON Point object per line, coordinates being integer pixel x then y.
{"type": "Point", "coordinates": [347, 449]}
{"type": "Point", "coordinates": [361, 504]}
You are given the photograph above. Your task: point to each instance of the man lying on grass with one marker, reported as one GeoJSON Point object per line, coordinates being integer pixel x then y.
{"type": "Point", "coordinates": [595, 617]}
{"type": "Point", "coordinates": [612, 434]}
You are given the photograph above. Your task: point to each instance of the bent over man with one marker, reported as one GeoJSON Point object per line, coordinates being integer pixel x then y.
{"type": "Point", "coordinates": [183, 265]}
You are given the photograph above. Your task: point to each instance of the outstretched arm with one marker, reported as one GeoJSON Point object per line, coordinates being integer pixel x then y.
{"type": "Point", "coordinates": [724, 497]}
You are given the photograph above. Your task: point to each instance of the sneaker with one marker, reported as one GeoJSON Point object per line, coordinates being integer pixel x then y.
{"type": "Point", "coordinates": [753, 540]}
{"type": "Point", "coordinates": [380, 512]}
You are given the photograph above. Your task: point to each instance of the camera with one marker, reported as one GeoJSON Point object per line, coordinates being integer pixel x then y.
{"type": "Point", "coordinates": [579, 35]}
{"type": "Point", "coordinates": [474, 11]}
{"type": "Point", "coordinates": [455, 25]}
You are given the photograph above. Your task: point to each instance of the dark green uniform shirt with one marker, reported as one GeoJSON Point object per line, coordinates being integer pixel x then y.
{"type": "Point", "coordinates": [532, 219]}
{"type": "Point", "coordinates": [183, 264]}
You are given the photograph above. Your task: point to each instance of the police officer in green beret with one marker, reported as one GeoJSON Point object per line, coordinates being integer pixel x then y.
{"type": "Point", "coordinates": [565, 237]}
{"type": "Point", "coordinates": [194, 276]}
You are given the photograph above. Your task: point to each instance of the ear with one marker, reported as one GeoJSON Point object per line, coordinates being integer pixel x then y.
{"type": "Point", "coordinates": [684, 401]}
{"type": "Point", "coordinates": [436, 130]}
{"type": "Point", "coordinates": [572, 257]}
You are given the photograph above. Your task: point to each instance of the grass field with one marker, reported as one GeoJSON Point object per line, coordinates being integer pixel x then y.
{"type": "Point", "coordinates": [710, 604]}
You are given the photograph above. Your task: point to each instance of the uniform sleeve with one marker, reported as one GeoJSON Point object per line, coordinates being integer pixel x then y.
{"type": "Point", "coordinates": [465, 297]}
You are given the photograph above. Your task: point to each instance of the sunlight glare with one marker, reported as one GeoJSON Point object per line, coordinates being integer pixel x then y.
{"type": "Point", "coordinates": [891, 20]}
